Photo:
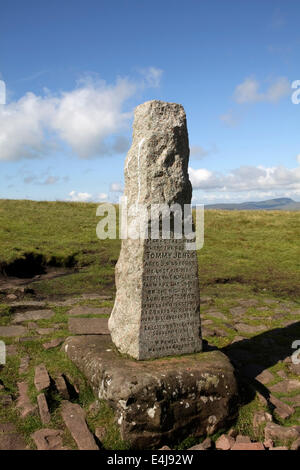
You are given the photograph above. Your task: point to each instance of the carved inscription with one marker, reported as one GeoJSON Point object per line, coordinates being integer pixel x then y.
{"type": "Point", "coordinates": [170, 318]}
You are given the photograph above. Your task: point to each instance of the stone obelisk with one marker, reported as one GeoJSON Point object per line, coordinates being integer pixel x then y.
{"type": "Point", "coordinates": [157, 306]}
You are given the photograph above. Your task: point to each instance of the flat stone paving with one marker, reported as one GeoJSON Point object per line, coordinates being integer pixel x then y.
{"type": "Point", "coordinates": [261, 349]}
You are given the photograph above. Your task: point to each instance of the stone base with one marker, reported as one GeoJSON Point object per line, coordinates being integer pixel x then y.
{"type": "Point", "coordinates": [158, 401]}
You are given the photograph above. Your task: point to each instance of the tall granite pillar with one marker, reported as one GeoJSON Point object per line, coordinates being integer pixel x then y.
{"type": "Point", "coordinates": [157, 306]}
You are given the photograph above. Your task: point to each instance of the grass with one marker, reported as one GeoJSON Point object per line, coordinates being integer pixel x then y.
{"type": "Point", "coordinates": [244, 251]}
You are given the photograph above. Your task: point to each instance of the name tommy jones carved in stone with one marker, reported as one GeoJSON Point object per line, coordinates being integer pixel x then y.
{"type": "Point", "coordinates": [157, 306]}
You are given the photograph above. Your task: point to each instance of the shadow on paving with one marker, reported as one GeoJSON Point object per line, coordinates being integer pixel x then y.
{"type": "Point", "coordinates": [252, 356]}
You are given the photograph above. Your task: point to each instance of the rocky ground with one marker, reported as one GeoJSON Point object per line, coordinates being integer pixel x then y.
{"type": "Point", "coordinates": [47, 404]}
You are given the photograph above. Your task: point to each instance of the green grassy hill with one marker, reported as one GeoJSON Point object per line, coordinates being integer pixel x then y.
{"type": "Point", "coordinates": [244, 251]}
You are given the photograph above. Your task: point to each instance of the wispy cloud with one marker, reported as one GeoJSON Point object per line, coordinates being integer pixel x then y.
{"type": "Point", "coordinates": [249, 91]}
{"type": "Point", "coordinates": [77, 196]}
{"type": "Point", "coordinates": [247, 178]}
{"type": "Point", "coordinates": [199, 152]}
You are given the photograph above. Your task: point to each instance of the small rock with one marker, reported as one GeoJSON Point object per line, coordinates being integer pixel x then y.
{"type": "Point", "coordinates": [12, 331]}
{"type": "Point", "coordinates": [162, 448]}
{"type": "Point", "coordinates": [224, 442]}
{"type": "Point", "coordinates": [53, 343]}
{"type": "Point", "coordinates": [48, 439]}
{"type": "Point", "coordinates": [74, 418]}
{"type": "Point", "coordinates": [24, 364]}
{"type": "Point", "coordinates": [61, 387]}
{"type": "Point", "coordinates": [283, 410]}
{"type": "Point", "coordinates": [33, 315]}
{"type": "Point", "coordinates": [41, 378]}
{"type": "Point", "coordinates": [43, 408]}
{"type": "Point", "coordinates": [24, 405]}
{"type": "Point", "coordinates": [282, 433]}
{"type": "Point", "coordinates": [260, 418]}
{"type": "Point", "coordinates": [11, 296]}
{"type": "Point", "coordinates": [248, 446]}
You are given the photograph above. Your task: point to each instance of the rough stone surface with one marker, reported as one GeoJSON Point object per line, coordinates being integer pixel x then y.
{"type": "Point", "coordinates": [24, 404]}
{"type": "Point", "coordinates": [24, 364]}
{"type": "Point", "coordinates": [286, 386]}
{"type": "Point", "coordinates": [10, 439]}
{"type": "Point", "coordinates": [61, 387]}
{"type": "Point", "coordinates": [88, 326]}
{"type": "Point", "coordinates": [281, 433]}
{"type": "Point", "coordinates": [244, 328]}
{"type": "Point", "coordinates": [48, 439]}
{"type": "Point", "coordinates": [43, 408]}
{"type": "Point", "coordinates": [10, 331]}
{"type": "Point", "coordinates": [156, 311]}
{"type": "Point", "coordinates": [224, 442]}
{"type": "Point", "coordinates": [157, 401]}
{"type": "Point", "coordinates": [282, 410]}
{"type": "Point", "coordinates": [87, 310]}
{"type": "Point", "coordinates": [248, 446]}
{"type": "Point", "coordinates": [74, 418]}
{"type": "Point", "coordinates": [45, 331]}
{"type": "Point", "coordinates": [41, 378]}
{"type": "Point", "coordinates": [33, 315]}
{"type": "Point", "coordinates": [53, 343]}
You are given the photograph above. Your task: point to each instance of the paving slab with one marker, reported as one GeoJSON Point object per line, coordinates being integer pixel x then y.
{"type": "Point", "coordinates": [33, 315]}
{"type": "Point", "coordinates": [88, 326]}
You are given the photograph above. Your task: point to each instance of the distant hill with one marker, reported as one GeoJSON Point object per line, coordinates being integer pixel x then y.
{"type": "Point", "coordinates": [283, 203]}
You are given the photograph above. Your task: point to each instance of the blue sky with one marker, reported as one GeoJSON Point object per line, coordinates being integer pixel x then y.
{"type": "Point", "coordinates": [74, 71]}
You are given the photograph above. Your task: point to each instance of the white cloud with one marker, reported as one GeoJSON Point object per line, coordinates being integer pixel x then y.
{"type": "Point", "coordinates": [198, 152]}
{"type": "Point", "coordinates": [77, 196]}
{"type": "Point", "coordinates": [80, 197]}
{"type": "Point", "coordinates": [88, 119]}
{"type": "Point", "coordinates": [231, 119]}
{"type": "Point", "coordinates": [101, 197]}
{"type": "Point", "coordinates": [247, 178]}
{"type": "Point", "coordinates": [152, 76]}
{"type": "Point", "coordinates": [116, 188]}
{"type": "Point", "coordinates": [249, 91]}
{"type": "Point", "coordinates": [298, 158]}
